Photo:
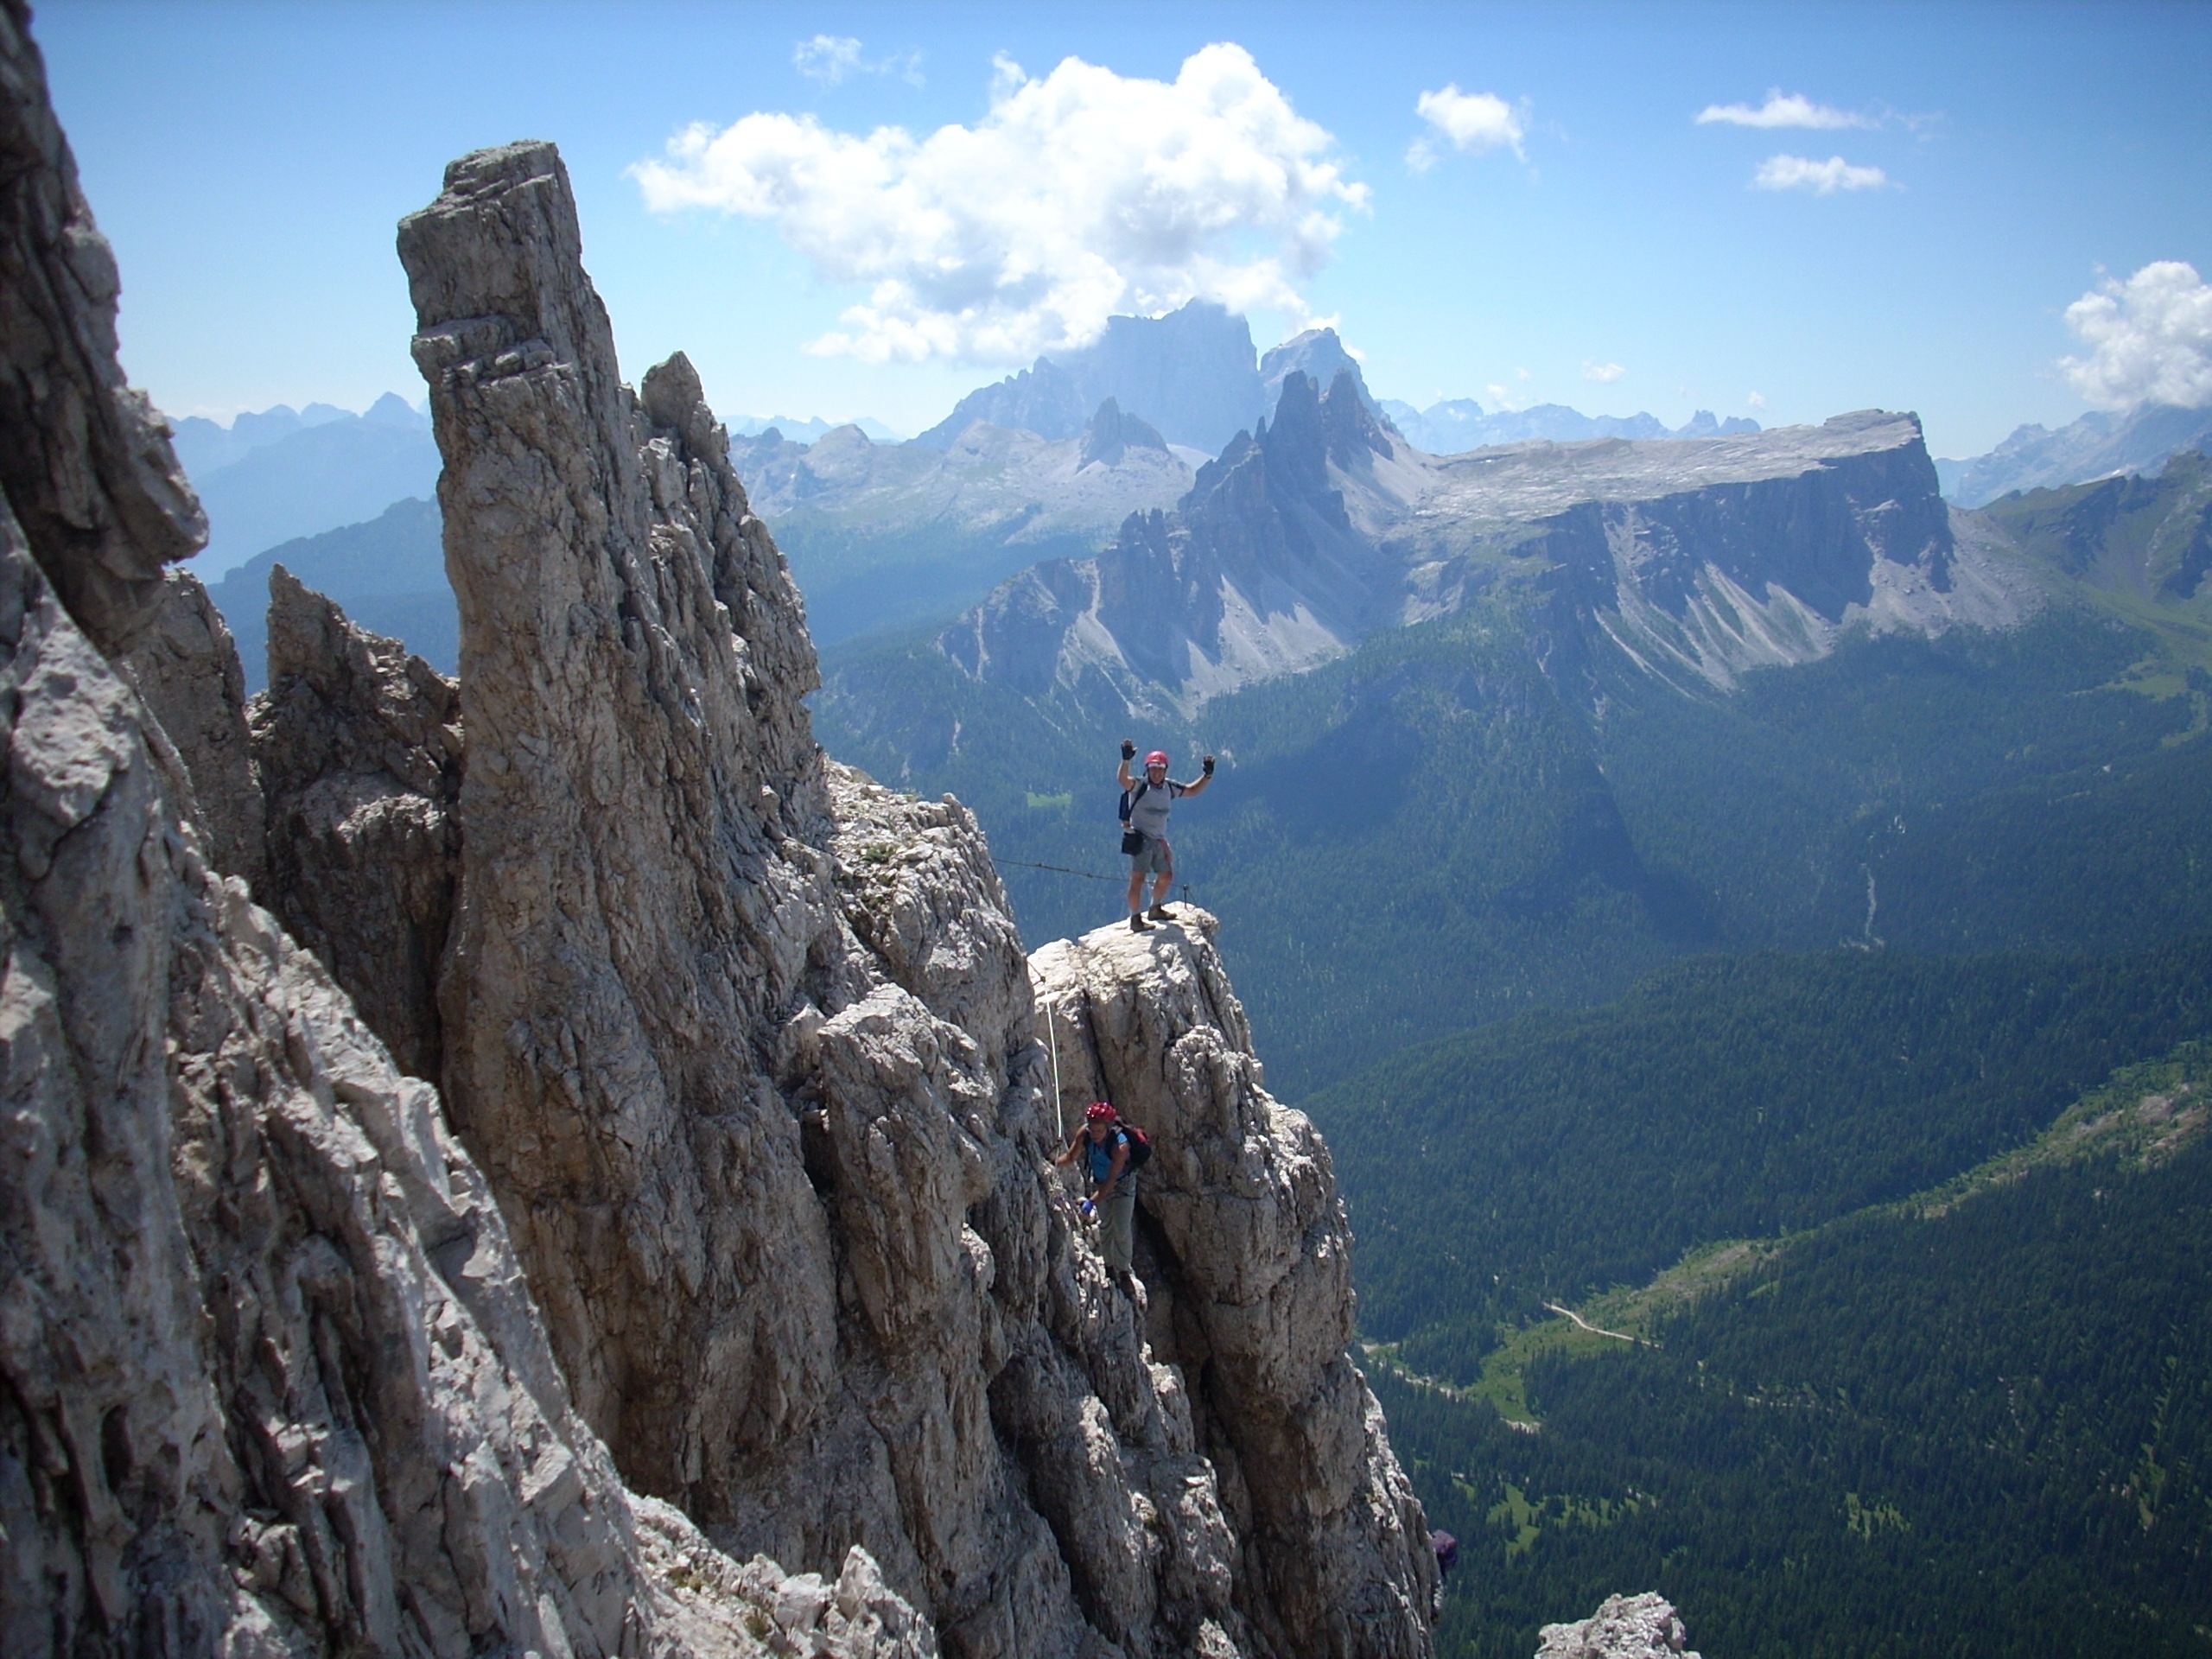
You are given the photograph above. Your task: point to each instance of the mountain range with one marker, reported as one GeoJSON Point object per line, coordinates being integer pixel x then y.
{"type": "Point", "coordinates": [2098, 445]}
{"type": "Point", "coordinates": [1457, 424]}
{"type": "Point", "coordinates": [1701, 559]}
{"type": "Point", "coordinates": [807, 430]}
{"type": "Point", "coordinates": [270, 477]}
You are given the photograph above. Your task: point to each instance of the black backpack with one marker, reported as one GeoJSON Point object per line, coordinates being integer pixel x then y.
{"type": "Point", "coordinates": [1140, 1142]}
{"type": "Point", "coordinates": [1133, 839]}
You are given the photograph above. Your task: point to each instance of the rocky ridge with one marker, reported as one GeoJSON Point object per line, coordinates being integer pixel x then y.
{"type": "Point", "coordinates": [357, 745]}
{"type": "Point", "coordinates": [289, 1366]}
{"type": "Point", "coordinates": [771, 1137]}
{"type": "Point", "coordinates": [270, 1380]}
{"type": "Point", "coordinates": [1250, 1300]}
{"type": "Point", "coordinates": [2098, 445]}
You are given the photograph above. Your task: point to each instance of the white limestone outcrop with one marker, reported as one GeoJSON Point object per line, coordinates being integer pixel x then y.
{"type": "Point", "coordinates": [1623, 1627]}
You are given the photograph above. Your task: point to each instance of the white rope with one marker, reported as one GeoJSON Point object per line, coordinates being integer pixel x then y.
{"type": "Point", "coordinates": [1059, 1113]}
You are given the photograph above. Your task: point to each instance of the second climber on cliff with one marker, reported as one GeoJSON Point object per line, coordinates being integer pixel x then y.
{"type": "Point", "coordinates": [1145, 802]}
{"type": "Point", "coordinates": [1112, 1151]}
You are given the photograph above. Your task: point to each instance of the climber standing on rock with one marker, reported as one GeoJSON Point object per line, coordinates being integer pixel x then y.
{"type": "Point", "coordinates": [1109, 1151]}
{"type": "Point", "coordinates": [1145, 802]}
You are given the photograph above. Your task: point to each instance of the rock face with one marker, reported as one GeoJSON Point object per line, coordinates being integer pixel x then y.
{"type": "Point", "coordinates": [359, 747]}
{"type": "Point", "coordinates": [1246, 1257]}
{"type": "Point", "coordinates": [1623, 1627]}
{"type": "Point", "coordinates": [87, 464]}
{"type": "Point", "coordinates": [746, 1047]}
{"type": "Point", "coordinates": [187, 669]}
{"type": "Point", "coordinates": [270, 1380]}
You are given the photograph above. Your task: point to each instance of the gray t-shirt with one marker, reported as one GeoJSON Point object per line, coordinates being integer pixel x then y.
{"type": "Point", "coordinates": [1149, 804]}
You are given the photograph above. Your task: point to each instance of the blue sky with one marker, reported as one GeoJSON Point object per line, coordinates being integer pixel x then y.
{"type": "Point", "coordinates": [1593, 245]}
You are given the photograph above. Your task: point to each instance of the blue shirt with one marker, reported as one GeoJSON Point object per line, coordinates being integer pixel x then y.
{"type": "Point", "coordinates": [1100, 1154]}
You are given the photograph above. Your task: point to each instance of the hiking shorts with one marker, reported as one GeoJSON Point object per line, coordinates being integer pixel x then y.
{"type": "Point", "coordinates": [1154, 859]}
{"type": "Point", "coordinates": [1117, 1222]}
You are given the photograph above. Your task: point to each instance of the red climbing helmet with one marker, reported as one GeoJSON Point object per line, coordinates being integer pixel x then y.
{"type": "Point", "coordinates": [1157, 758]}
{"type": "Point", "coordinates": [1099, 1112]}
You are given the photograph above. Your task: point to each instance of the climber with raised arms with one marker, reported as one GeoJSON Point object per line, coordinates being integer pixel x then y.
{"type": "Point", "coordinates": [1145, 802]}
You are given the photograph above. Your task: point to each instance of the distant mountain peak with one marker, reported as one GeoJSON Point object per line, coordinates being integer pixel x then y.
{"type": "Point", "coordinates": [2098, 445]}
{"type": "Point", "coordinates": [1111, 434]}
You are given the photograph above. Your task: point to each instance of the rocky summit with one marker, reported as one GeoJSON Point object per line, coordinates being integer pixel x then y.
{"type": "Point", "coordinates": [550, 1163]}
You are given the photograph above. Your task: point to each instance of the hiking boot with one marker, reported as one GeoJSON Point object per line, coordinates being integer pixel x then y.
{"type": "Point", "coordinates": [1161, 914]}
{"type": "Point", "coordinates": [1138, 925]}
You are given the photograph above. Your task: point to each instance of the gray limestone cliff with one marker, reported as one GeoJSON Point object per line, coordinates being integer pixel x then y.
{"type": "Point", "coordinates": [746, 1048]}
{"type": "Point", "coordinates": [1245, 1253]}
{"type": "Point", "coordinates": [271, 1382]}
{"type": "Point", "coordinates": [270, 1379]}
{"type": "Point", "coordinates": [87, 464]}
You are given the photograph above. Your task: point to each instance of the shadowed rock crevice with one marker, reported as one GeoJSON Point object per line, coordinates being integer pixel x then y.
{"type": "Point", "coordinates": [186, 669]}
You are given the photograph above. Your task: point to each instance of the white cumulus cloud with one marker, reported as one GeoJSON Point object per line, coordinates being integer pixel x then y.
{"type": "Point", "coordinates": [1467, 121]}
{"type": "Point", "coordinates": [1781, 110]}
{"type": "Point", "coordinates": [1821, 178]}
{"type": "Point", "coordinates": [2150, 339]}
{"type": "Point", "coordinates": [1078, 196]}
{"type": "Point", "coordinates": [1606, 373]}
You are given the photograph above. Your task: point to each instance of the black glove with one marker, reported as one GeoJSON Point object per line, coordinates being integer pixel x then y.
{"type": "Point", "coordinates": [1128, 750]}
{"type": "Point", "coordinates": [1206, 765]}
